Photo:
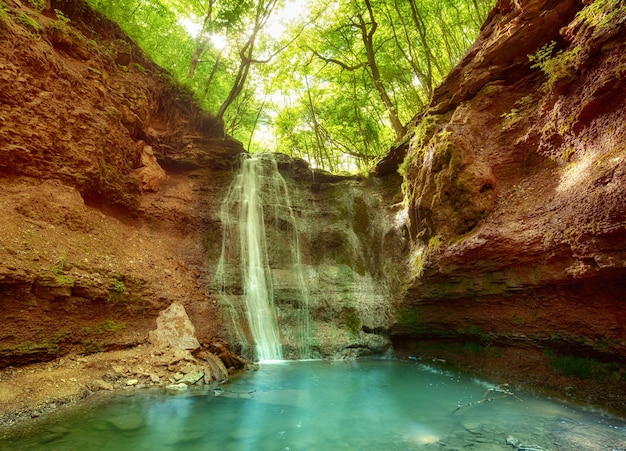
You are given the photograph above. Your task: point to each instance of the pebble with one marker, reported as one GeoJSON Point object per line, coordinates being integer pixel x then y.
{"type": "Point", "coordinates": [177, 387]}
{"type": "Point", "coordinates": [103, 385]}
{"type": "Point", "coordinates": [192, 378]}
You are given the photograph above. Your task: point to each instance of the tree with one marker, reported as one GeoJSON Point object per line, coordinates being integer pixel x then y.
{"type": "Point", "coordinates": [202, 40]}
{"type": "Point", "coordinates": [335, 86]}
{"type": "Point", "coordinates": [263, 11]}
{"type": "Point", "coordinates": [365, 22]}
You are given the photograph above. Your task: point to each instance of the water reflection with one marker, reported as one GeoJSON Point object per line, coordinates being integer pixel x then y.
{"type": "Point", "coordinates": [352, 405]}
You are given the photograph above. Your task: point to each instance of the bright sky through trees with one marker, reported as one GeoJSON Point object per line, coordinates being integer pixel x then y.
{"type": "Point", "coordinates": [292, 12]}
{"type": "Point", "coordinates": [331, 82]}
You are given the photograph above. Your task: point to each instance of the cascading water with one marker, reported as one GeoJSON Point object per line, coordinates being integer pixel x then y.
{"type": "Point", "coordinates": [259, 237]}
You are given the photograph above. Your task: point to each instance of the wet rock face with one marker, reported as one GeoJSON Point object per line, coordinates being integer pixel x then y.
{"type": "Point", "coordinates": [337, 301]}
{"type": "Point", "coordinates": [351, 243]}
{"type": "Point", "coordinates": [515, 180]}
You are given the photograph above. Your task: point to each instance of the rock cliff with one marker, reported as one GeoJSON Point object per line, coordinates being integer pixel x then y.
{"type": "Point", "coordinates": [352, 239]}
{"type": "Point", "coordinates": [514, 187]}
{"type": "Point", "coordinates": [109, 180]}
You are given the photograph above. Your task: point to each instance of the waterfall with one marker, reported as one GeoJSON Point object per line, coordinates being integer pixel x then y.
{"type": "Point", "coordinates": [259, 237]}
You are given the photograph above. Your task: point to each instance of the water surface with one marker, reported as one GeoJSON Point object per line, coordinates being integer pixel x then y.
{"type": "Point", "coordinates": [316, 405]}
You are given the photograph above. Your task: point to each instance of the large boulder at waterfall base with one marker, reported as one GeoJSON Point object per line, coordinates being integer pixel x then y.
{"type": "Point", "coordinates": [174, 329]}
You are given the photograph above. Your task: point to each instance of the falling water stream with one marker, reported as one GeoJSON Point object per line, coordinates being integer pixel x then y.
{"type": "Point", "coordinates": [259, 236]}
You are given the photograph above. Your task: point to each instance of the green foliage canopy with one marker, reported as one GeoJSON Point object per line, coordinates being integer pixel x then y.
{"type": "Point", "coordinates": [331, 82]}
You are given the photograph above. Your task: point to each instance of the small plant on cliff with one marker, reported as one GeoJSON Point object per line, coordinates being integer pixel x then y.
{"type": "Point", "coordinates": [435, 242]}
{"type": "Point", "coordinates": [555, 67]}
{"type": "Point", "coordinates": [3, 12]}
{"type": "Point", "coordinates": [118, 290]}
{"type": "Point", "coordinates": [59, 265]}
{"type": "Point", "coordinates": [61, 17]}
{"type": "Point", "coordinates": [541, 56]}
{"type": "Point", "coordinates": [92, 346]}
{"type": "Point", "coordinates": [600, 12]}
{"type": "Point", "coordinates": [61, 22]}
{"type": "Point", "coordinates": [511, 118]}
{"type": "Point", "coordinates": [37, 5]}
{"type": "Point", "coordinates": [58, 270]}
{"type": "Point", "coordinates": [64, 280]}
{"type": "Point", "coordinates": [119, 286]}
{"type": "Point", "coordinates": [108, 326]}
{"type": "Point", "coordinates": [28, 23]}
{"type": "Point", "coordinates": [47, 345]}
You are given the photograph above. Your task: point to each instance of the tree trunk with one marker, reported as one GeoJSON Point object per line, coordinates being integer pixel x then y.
{"type": "Point", "coordinates": [368, 41]}
{"type": "Point", "coordinates": [201, 43]}
{"type": "Point", "coordinates": [263, 12]}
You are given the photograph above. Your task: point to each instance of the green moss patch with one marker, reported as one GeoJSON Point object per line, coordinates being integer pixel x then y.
{"type": "Point", "coordinates": [588, 368]}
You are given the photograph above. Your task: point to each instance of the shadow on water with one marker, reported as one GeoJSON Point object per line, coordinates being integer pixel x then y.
{"type": "Point", "coordinates": [321, 405]}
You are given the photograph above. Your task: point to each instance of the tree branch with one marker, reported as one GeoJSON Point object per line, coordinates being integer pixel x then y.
{"type": "Point", "coordinates": [337, 62]}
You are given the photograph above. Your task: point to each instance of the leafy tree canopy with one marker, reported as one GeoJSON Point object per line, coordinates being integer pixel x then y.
{"type": "Point", "coordinates": [331, 82]}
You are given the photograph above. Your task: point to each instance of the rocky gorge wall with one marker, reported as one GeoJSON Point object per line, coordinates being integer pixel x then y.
{"type": "Point", "coordinates": [108, 178]}
{"type": "Point", "coordinates": [503, 253]}
{"type": "Point", "coordinates": [514, 187]}
{"type": "Point", "coordinates": [353, 237]}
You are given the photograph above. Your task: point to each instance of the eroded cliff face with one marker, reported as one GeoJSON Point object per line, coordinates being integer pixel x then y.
{"type": "Point", "coordinates": [515, 183]}
{"type": "Point", "coordinates": [109, 181]}
{"type": "Point", "coordinates": [353, 237]}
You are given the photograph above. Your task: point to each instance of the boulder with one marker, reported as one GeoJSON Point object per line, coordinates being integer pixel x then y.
{"type": "Point", "coordinates": [150, 173]}
{"type": "Point", "coordinates": [174, 329]}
